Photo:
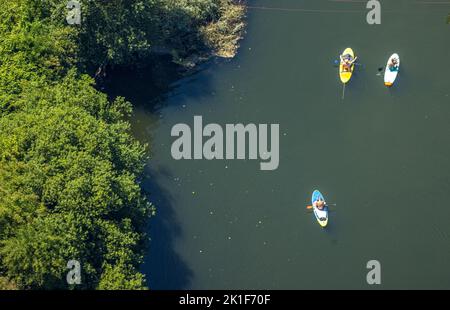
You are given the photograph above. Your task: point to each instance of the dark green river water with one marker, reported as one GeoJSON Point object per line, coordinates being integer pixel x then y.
{"type": "Point", "coordinates": [382, 155]}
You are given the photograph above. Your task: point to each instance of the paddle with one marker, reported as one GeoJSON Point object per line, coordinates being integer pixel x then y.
{"type": "Point", "coordinates": [328, 204]}
{"type": "Point", "coordinates": [336, 63]}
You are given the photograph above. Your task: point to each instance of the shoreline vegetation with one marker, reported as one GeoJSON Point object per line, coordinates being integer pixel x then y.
{"type": "Point", "coordinates": [221, 36]}
{"type": "Point", "coordinates": [70, 170]}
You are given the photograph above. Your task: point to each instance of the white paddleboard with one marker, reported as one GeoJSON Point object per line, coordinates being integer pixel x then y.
{"type": "Point", "coordinates": [390, 73]}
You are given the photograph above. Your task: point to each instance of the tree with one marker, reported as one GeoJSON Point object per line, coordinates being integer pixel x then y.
{"type": "Point", "coordinates": [68, 169]}
{"type": "Point", "coordinates": [69, 166]}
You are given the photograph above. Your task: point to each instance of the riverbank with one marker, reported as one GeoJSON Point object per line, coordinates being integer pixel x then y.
{"type": "Point", "coordinates": [221, 35]}
{"type": "Point", "coordinates": [70, 169]}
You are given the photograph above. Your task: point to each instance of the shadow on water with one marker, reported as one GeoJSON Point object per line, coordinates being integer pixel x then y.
{"type": "Point", "coordinates": [331, 227]}
{"type": "Point", "coordinates": [145, 86]}
{"type": "Point", "coordinates": [148, 88]}
{"type": "Point", "coordinates": [400, 82]}
{"type": "Point", "coordinates": [149, 85]}
{"type": "Point", "coordinates": [358, 82]}
{"type": "Point", "coordinates": [163, 267]}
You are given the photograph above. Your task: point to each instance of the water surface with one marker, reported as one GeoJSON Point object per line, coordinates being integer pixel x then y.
{"type": "Point", "coordinates": [382, 155]}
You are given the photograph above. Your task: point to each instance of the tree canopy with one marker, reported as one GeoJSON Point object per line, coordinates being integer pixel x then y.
{"type": "Point", "coordinates": [69, 167]}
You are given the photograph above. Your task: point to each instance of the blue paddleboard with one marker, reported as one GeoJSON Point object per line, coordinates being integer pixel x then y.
{"type": "Point", "coordinates": [321, 215]}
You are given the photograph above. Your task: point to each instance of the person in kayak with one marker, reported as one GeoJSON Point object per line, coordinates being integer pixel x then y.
{"type": "Point", "coordinates": [319, 204]}
{"type": "Point", "coordinates": [347, 61]}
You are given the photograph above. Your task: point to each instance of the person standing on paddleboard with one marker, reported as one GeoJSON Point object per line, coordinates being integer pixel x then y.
{"type": "Point", "coordinates": [319, 203]}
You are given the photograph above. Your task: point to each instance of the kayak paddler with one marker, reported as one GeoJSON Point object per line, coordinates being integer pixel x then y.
{"type": "Point", "coordinates": [319, 203]}
{"type": "Point", "coordinates": [347, 61]}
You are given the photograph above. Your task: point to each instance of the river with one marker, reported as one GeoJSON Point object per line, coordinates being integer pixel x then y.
{"type": "Point", "coordinates": [381, 155]}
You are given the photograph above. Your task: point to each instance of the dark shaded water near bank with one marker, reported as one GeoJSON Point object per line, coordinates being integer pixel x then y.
{"type": "Point", "coordinates": [382, 155]}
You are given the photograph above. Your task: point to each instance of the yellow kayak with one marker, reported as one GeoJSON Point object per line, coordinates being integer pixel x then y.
{"type": "Point", "coordinates": [346, 75]}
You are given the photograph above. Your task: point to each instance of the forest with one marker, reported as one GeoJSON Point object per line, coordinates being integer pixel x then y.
{"type": "Point", "coordinates": [70, 170]}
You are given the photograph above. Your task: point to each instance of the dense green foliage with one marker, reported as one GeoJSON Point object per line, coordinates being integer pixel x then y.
{"type": "Point", "coordinates": [69, 167]}
{"type": "Point", "coordinates": [68, 185]}
{"type": "Point", "coordinates": [126, 31]}
{"type": "Point", "coordinates": [123, 31]}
